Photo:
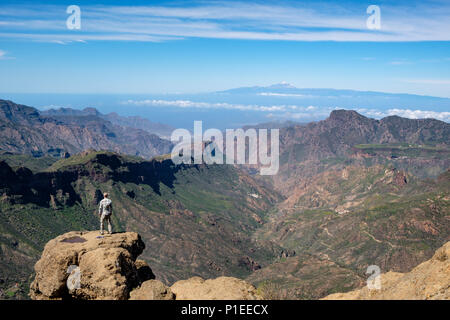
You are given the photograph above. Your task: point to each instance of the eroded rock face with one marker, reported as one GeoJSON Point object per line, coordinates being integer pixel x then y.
{"type": "Point", "coordinates": [144, 271]}
{"type": "Point", "coordinates": [429, 280]}
{"type": "Point", "coordinates": [85, 265]}
{"type": "Point", "coordinates": [222, 288]}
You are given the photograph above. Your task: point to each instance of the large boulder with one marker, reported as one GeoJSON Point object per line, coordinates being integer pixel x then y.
{"type": "Point", "coordinates": [85, 265]}
{"type": "Point", "coordinates": [429, 280]}
{"type": "Point", "coordinates": [152, 290]}
{"type": "Point", "coordinates": [222, 288]}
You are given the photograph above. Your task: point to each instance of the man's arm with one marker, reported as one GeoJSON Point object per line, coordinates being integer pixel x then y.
{"type": "Point", "coordinates": [100, 207]}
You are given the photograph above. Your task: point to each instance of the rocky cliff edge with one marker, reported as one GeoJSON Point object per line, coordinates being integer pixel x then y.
{"type": "Point", "coordinates": [86, 265]}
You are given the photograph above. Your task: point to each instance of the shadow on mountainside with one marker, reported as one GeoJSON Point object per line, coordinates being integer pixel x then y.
{"type": "Point", "coordinates": [20, 185]}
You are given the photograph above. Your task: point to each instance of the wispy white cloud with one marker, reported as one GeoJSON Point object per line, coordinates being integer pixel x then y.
{"type": "Point", "coordinates": [205, 105]}
{"type": "Point", "coordinates": [420, 114]}
{"type": "Point", "coordinates": [400, 62]}
{"type": "Point", "coordinates": [4, 55]}
{"type": "Point", "coordinates": [68, 38]}
{"type": "Point", "coordinates": [303, 116]}
{"type": "Point", "coordinates": [216, 105]}
{"type": "Point", "coordinates": [285, 112]}
{"type": "Point", "coordinates": [230, 20]}
{"type": "Point", "coordinates": [406, 113]}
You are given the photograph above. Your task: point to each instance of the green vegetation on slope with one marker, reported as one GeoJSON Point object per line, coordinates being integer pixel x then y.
{"type": "Point", "coordinates": [396, 150]}
{"type": "Point", "coordinates": [28, 161]}
{"type": "Point", "coordinates": [343, 221]}
{"type": "Point", "coordinates": [195, 220]}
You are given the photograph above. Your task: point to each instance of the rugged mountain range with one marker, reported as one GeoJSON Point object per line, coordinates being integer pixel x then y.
{"type": "Point", "coordinates": [358, 191]}
{"type": "Point", "coordinates": [23, 130]}
{"type": "Point", "coordinates": [351, 192]}
{"type": "Point", "coordinates": [346, 137]}
{"type": "Point", "coordinates": [162, 130]}
{"type": "Point", "coordinates": [341, 221]}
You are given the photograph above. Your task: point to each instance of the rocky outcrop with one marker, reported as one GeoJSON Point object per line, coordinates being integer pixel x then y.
{"type": "Point", "coordinates": [88, 266]}
{"type": "Point", "coordinates": [222, 288]}
{"type": "Point", "coordinates": [430, 280]}
{"type": "Point", "coordinates": [85, 265]}
{"type": "Point", "coordinates": [152, 290]}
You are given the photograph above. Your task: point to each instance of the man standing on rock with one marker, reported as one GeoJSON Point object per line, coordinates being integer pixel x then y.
{"type": "Point", "coordinates": [105, 211]}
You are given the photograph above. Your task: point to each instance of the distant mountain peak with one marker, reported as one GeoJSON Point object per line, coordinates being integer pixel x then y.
{"type": "Point", "coordinates": [91, 111]}
{"type": "Point", "coordinates": [345, 115]}
{"type": "Point", "coordinates": [282, 85]}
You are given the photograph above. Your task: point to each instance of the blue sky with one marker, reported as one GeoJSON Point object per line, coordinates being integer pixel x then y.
{"type": "Point", "coordinates": [157, 47]}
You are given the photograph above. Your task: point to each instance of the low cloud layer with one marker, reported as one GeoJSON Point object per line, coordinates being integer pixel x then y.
{"type": "Point", "coordinates": [407, 113]}
{"type": "Point", "coordinates": [286, 112]}
{"type": "Point", "coordinates": [209, 105]}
